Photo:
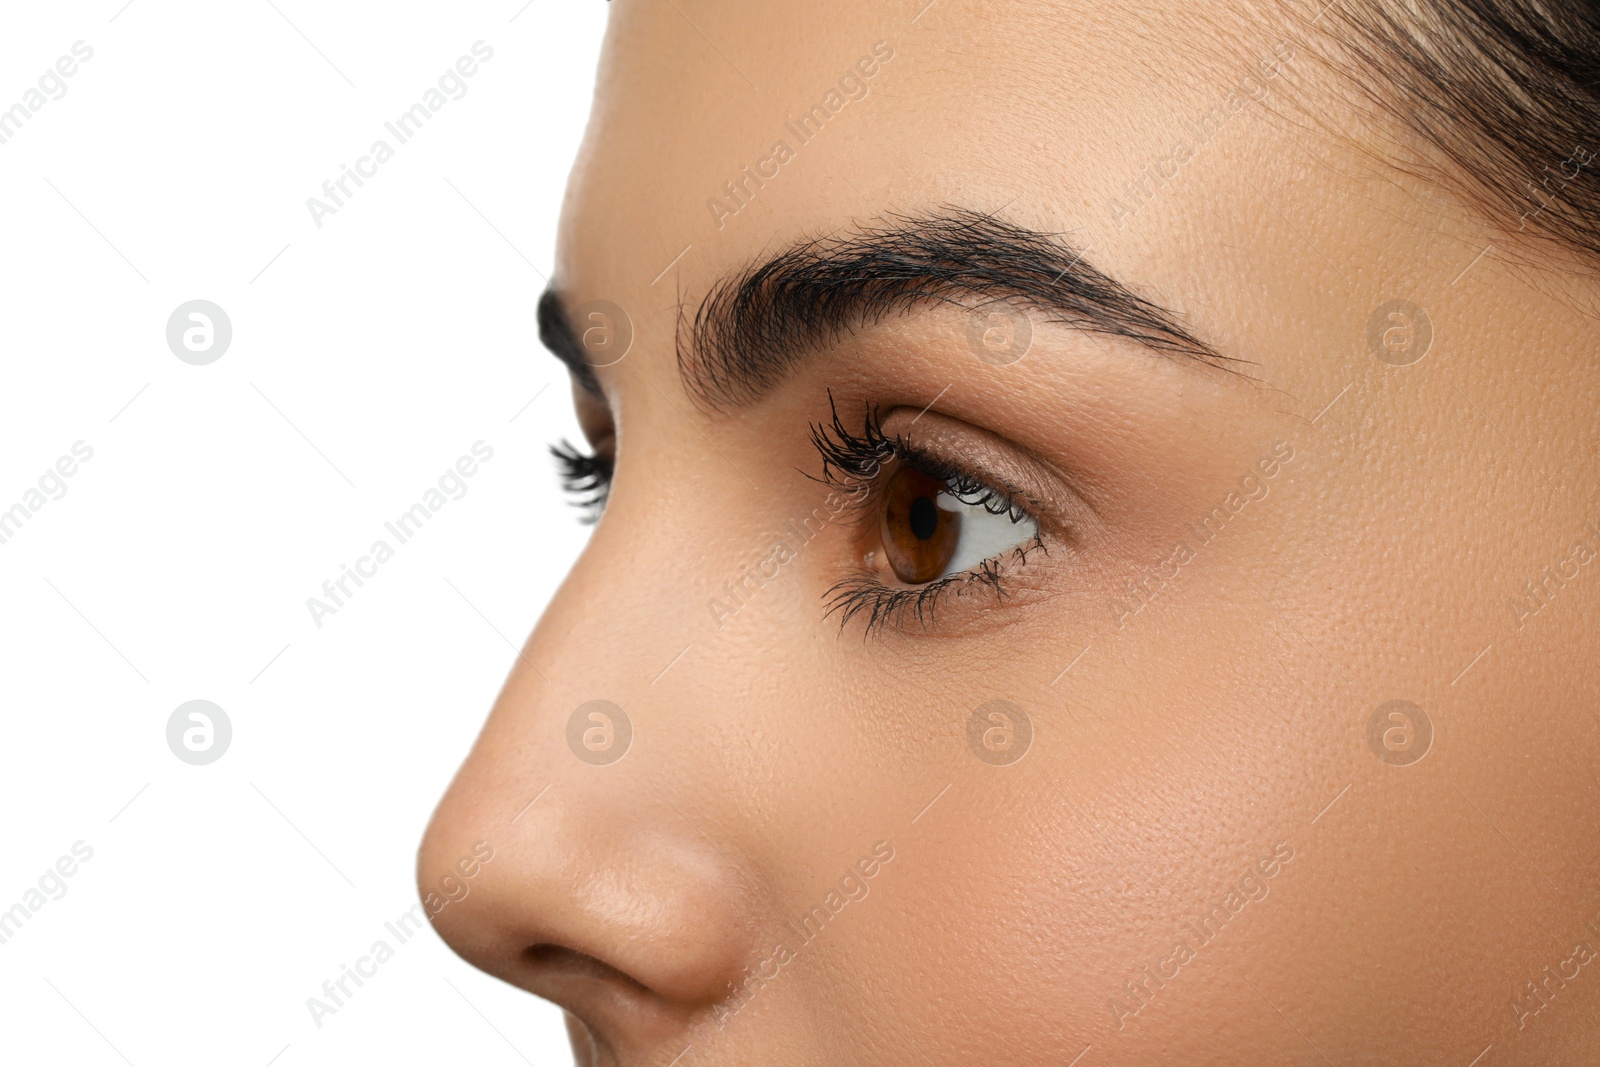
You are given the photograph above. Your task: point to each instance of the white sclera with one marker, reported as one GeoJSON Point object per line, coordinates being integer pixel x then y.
{"type": "Point", "coordinates": [983, 534]}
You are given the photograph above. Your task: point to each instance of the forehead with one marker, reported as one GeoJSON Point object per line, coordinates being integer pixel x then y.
{"type": "Point", "coordinates": [722, 128]}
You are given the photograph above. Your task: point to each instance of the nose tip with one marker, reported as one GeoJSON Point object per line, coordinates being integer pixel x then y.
{"type": "Point", "coordinates": [607, 902]}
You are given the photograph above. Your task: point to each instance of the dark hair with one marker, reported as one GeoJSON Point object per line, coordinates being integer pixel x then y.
{"type": "Point", "coordinates": [1508, 91]}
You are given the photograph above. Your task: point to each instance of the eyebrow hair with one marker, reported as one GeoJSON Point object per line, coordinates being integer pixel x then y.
{"type": "Point", "coordinates": [755, 327]}
{"type": "Point", "coordinates": [556, 333]}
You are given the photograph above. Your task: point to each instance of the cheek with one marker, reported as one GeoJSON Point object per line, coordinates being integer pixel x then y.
{"type": "Point", "coordinates": [1059, 877]}
{"type": "Point", "coordinates": [1033, 908]}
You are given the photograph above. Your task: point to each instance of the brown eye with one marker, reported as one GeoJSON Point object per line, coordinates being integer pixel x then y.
{"type": "Point", "coordinates": [919, 536]}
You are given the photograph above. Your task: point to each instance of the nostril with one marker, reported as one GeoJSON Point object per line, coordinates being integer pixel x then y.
{"type": "Point", "coordinates": [558, 961]}
{"type": "Point", "coordinates": [608, 1010]}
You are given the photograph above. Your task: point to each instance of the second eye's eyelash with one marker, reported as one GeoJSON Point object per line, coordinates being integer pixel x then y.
{"type": "Point", "coordinates": [585, 478]}
{"type": "Point", "coordinates": [852, 462]}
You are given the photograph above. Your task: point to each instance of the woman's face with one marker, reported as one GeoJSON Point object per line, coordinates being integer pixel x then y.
{"type": "Point", "coordinates": [1180, 649]}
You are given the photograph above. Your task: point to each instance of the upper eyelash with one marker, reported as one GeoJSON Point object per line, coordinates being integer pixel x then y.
{"type": "Point", "coordinates": [845, 453]}
{"type": "Point", "coordinates": [851, 460]}
{"type": "Point", "coordinates": [586, 477]}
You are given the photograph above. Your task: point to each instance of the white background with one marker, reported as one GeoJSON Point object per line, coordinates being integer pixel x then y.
{"type": "Point", "coordinates": [367, 356]}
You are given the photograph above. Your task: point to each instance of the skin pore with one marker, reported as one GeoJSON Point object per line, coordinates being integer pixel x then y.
{"type": "Point", "coordinates": [1140, 278]}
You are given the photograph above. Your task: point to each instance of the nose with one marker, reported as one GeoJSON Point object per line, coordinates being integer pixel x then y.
{"type": "Point", "coordinates": [598, 892]}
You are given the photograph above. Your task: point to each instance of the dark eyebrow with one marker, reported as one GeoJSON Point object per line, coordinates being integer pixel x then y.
{"type": "Point", "coordinates": [556, 333]}
{"type": "Point", "coordinates": [755, 326]}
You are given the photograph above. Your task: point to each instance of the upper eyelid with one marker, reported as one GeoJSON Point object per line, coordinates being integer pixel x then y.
{"type": "Point", "coordinates": [1013, 495]}
{"type": "Point", "coordinates": [847, 451]}
{"type": "Point", "coordinates": [945, 464]}
{"type": "Point", "coordinates": [862, 504]}
{"type": "Point", "coordinates": [1045, 486]}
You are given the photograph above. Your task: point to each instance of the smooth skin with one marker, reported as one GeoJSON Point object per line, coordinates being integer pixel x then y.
{"type": "Point", "coordinates": [1185, 742]}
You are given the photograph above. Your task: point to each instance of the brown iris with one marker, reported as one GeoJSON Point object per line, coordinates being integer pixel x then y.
{"type": "Point", "coordinates": [919, 537]}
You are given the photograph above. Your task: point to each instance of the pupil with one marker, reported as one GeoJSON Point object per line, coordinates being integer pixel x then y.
{"type": "Point", "coordinates": [924, 517]}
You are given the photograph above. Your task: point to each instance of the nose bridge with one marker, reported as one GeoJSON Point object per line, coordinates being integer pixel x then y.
{"type": "Point", "coordinates": [568, 785]}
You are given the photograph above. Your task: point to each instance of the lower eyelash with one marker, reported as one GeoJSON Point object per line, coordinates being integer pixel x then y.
{"type": "Point", "coordinates": [888, 607]}
{"type": "Point", "coordinates": [885, 606]}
